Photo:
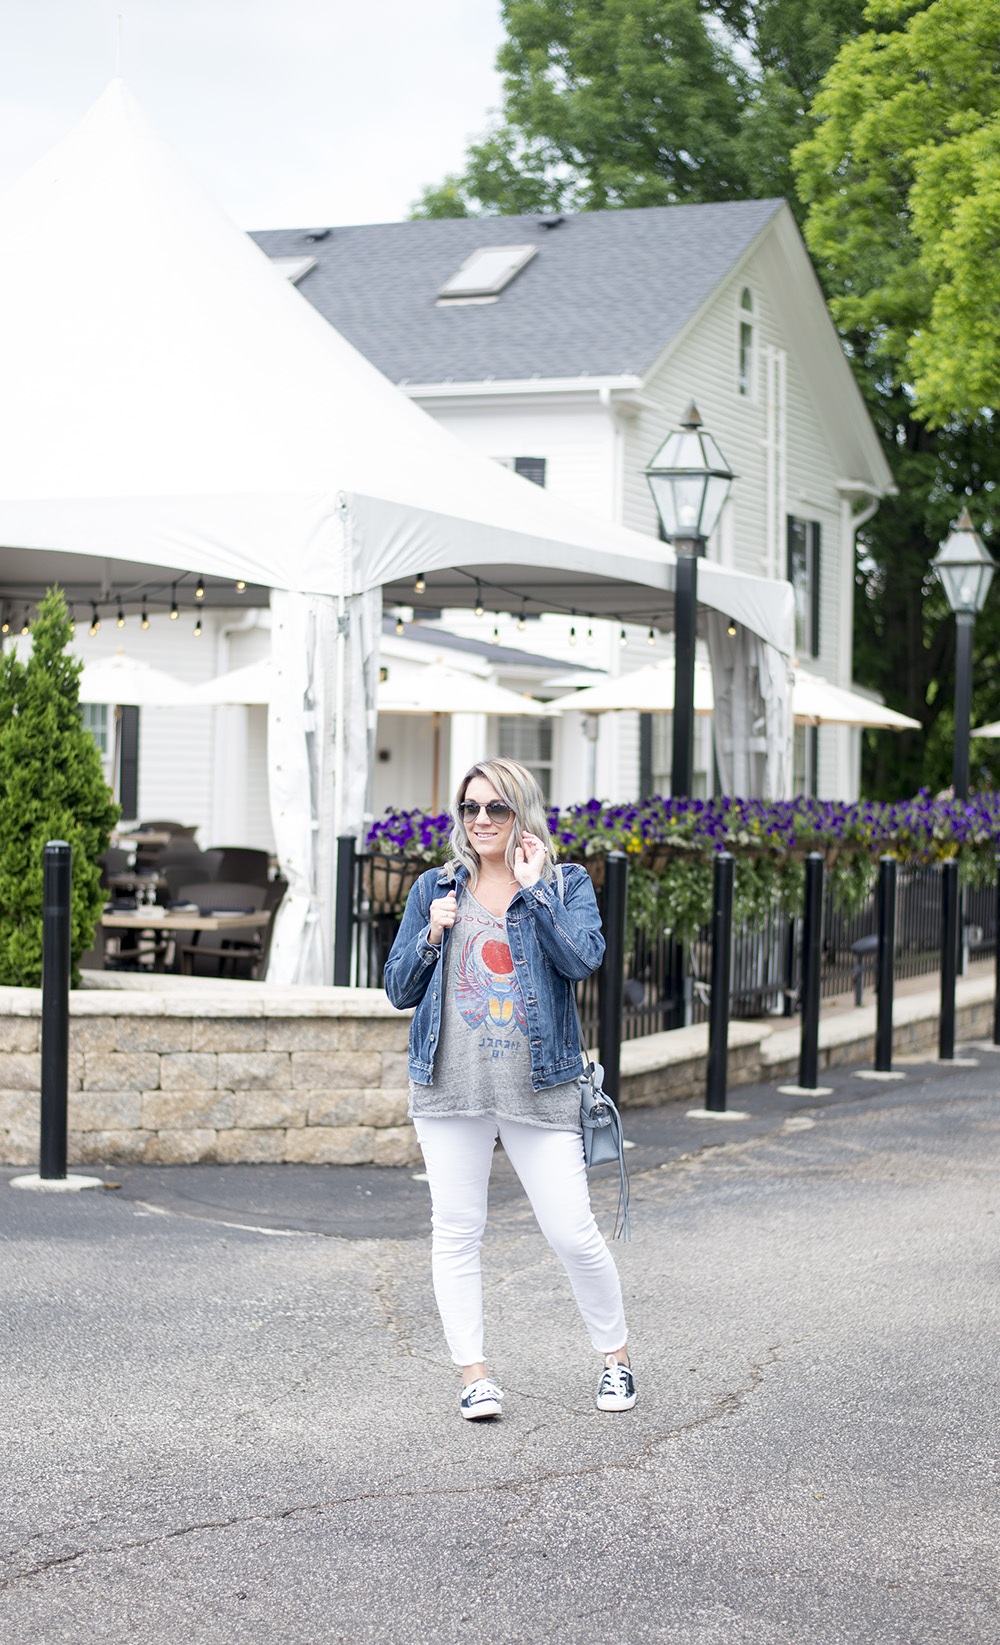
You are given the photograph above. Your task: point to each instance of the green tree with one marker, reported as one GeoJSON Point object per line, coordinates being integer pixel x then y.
{"type": "Point", "coordinates": [894, 103]}
{"type": "Point", "coordinates": [646, 102]}
{"type": "Point", "coordinates": [51, 788]}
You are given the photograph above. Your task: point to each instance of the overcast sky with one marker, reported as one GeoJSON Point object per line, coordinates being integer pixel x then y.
{"type": "Point", "coordinates": [291, 112]}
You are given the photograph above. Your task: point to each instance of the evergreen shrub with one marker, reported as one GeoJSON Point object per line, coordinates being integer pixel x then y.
{"type": "Point", "coordinates": [52, 787]}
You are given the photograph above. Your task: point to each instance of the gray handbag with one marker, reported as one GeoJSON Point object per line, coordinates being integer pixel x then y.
{"type": "Point", "coordinates": [600, 1121]}
{"type": "Point", "coordinates": [601, 1124]}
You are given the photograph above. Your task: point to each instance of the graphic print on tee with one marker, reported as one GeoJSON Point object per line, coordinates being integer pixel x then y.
{"type": "Point", "coordinates": [487, 994]}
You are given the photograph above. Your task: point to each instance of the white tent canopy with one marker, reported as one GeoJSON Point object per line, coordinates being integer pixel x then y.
{"type": "Point", "coordinates": [172, 403]}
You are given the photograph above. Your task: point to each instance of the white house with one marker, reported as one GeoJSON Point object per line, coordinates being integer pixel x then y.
{"type": "Point", "coordinates": [567, 347]}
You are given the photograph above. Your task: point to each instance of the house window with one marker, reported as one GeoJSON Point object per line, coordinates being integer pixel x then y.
{"type": "Point", "coordinates": [531, 468]}
{"type": "Point", "coordinates": [748, 363]}
{"type": "Point", "coordinates": [530, 742]}
{"type": "Point", "coordinates": [95, 720]}
{"type": "Point", "coordinates": [803, 573]}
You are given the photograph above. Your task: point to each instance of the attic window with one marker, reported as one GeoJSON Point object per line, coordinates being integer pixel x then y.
{"type": "Point", "coordinates": [484, 275]}
{"type": "Point", "coordinates": [293, 268]}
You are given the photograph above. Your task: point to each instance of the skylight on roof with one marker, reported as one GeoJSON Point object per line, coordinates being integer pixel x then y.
{"type": "Point", "coordinates": [293, 268]}
{"type": "Point", "coordinates": [487, 271]}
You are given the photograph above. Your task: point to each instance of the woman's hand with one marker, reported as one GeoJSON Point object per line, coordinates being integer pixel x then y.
{"type": "Point", "coordinates": [442, 911]}
{"type": "Point", "coordinates": [529, 861]}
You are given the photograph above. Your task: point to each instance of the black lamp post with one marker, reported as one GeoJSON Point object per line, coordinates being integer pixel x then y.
{"type": "Point", "coordinates": [965, 567]}
{"type": "Point", "coordinates": [690, 480]}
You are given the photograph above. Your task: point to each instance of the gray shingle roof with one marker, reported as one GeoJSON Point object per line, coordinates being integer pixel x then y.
{"type": "Point", "coordinates": [603, 297]}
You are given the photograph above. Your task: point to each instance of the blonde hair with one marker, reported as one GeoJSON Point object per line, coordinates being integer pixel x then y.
{"type": "Point", "coordinates": [517, 788]}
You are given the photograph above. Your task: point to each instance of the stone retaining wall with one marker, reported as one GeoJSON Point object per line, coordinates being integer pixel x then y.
{"type": "Point", "coordinates": [151, 1082]}
{"type": "Point", "coordinates": [245, 1073]}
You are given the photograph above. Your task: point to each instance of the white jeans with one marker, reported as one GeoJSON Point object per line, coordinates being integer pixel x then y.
{"type": "Point", "coordinates": [458, 1154]}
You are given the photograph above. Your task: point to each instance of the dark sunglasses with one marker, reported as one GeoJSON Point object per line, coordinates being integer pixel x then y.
{"type": "Point", "coordinates": [496, 811]}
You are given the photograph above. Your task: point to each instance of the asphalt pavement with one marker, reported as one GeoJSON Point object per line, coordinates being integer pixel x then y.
{"type": "Point", "coordinates": [228, 1415]}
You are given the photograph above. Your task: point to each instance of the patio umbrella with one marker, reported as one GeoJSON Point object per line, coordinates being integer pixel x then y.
{"type": "Point", "coordinates": [252, 684]}
{"type": "Point", "coordinates": [438, 690]}
{"type": "Point", "coordinates": [435, 690]}
{"type": "Point", "coordinates": [815, 701]}
{"type": "Point", "coordinates": [648, 690]}
{"type": "Point", "coordinates": [125, 680]}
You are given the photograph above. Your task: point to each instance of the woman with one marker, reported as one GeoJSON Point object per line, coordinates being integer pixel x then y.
{"type": "Point", "coordinates": [488, 951]}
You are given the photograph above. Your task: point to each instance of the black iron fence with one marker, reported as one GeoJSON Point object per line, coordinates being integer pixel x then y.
{"type": "Point", "coordinates": [665, 986]}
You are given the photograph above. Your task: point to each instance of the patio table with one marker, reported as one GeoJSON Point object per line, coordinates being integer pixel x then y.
{"type": "Point", "coordinates": [181, 920]}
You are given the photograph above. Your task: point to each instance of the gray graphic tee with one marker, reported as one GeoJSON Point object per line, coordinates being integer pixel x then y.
{"type": "Point", "coordinates": [483, 1061]}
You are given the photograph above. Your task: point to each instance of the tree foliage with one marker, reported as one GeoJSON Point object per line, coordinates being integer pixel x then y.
{"type": "Point", "coordinates": [902, 178]}
{"type": "Point", "coordinates": [645, 103]}
{"type": "Point", "coordinates": [892, 105]}
{"type": "Point", "coordinates": [51, 788]}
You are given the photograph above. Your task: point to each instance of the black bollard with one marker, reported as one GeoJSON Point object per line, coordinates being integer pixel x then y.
{"type": "Point", "coordinates": [996, 989]}
{"type": "Point", "coordinates": [57, 891]}
{"type": "Point", "coordinates": [886, 963]}
{"type": "Point", "coordinates": [812, 959]}
{"type": "Point", "coordinates": [949, 957]}
{"type": "Point", "coordinates": [611, 978]}
{"type": "Point", "coordinates": [722, 962]}
{"type": "Point", "coordinates": [343, 928]}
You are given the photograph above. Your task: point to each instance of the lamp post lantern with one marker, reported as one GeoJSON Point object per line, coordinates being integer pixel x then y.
{"type": "Point", "coordinates": [689, 479]}
{"type": "Point", "coordinates": [965, 567]}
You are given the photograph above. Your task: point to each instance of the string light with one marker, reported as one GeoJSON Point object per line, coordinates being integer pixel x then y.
{"type": "Point", "coordinates": [5, 625]}
{"type": "Point", "coordinates": [199, 592]}
{"type": "Point", "coordinates": [623, 639]}
{"type": "Point", "coordinates": [572, 636]}
{"type": "Point", "coordinates": [420, 584]}
{"type": "Point", "coordinates": [521, 622]}
{"type": "Point", "coordinates": [479, 599]}
{"type": "Point", "coordinates": [120, 619]}
{"type": "Point", "coordinates": [651, 637]}
{"type": "Point", "coordinates": [145, 615]}
{"type": "Point", "coordinates": [25, 624]}
{"type": "Point", "coordinates": [95, 621]}
{"type": "Point", "coordinates": [496, 634]}
{"type": "Point", "coordinates": [400, 626]}
{"type": "Point", "coordinates": [174, 613]}
{"type": "Point", "coordinates": [72, 620]}
{"type": "Point", "coordinates": [240, 585]}
{"type": "Point", "coordinates": [590, 636]}
{"type": "Point", "coordinates": [197, 628]}
{"type": "Point", "coordinates": [731, 630]}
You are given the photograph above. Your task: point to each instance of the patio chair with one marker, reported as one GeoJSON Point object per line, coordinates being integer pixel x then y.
{"type": "Point", "coordinates": [182, 876]}
{"type": "Point", "coordinates": [240, 862]}
{"type": "Point", "coordinates": [113, 862]}
{"type": "Point", "coordinates": [245, 953]}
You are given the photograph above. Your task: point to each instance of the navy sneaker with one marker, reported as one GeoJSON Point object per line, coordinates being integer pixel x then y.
{"type": "Point", "coordinates": [617, 1390]}
{"type": "Point", "coordinates": [481, 1399]}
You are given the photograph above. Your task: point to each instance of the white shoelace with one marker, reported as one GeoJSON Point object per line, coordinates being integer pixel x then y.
{"type": "Point", "coordinates": [482, 1388]}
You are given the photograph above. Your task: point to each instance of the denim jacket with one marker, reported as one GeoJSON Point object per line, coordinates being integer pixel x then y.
{"type": "Point", "coordinates": [554, 942]}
